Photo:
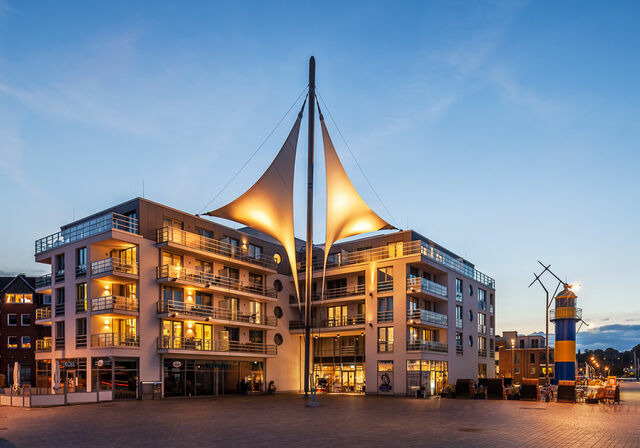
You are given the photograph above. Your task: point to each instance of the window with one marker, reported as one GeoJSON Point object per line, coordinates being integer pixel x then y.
{"type": "Point", "coordinates": [516, 358]}
{"type": "Point", "coordinates": [482, 370]}
{"type": "Point", "coordinates": [385, 309]}
{"type": "Point", "coordinates": [12, 320]}
{"type": "Point", "coordinates": [470, 290]}
{"type": "Point", "coordinates": [521, 343]}
{"type": "Point", "coordinates": [25, 342]}
{"type": "Point", "coordinates": [59, 343]}
{"type": "Point", "coordinates": [59, 267]}
{"type": "Point", "coordinates": [59, 301]}
{"type": "Point", "coordinates": [25, 320]}
{"type": "Point", "coordinates": [203, 299]}
{"type": "Point", "coordinates": [204, 266]}
{"type": "Point", "coordinates": [256, 336]}
{"type": "Point", "coordinates": [516, 370]}
{"type": "Point", "coordinates": [12, 342]}
{"type": "Point", "coordinates": [172, 223]}
{"type": "Point", "coordinates": [470, 341]}
{"type": "Point", "coordinates": [233, 243]}
{"type": "Point", "coordinates": [205, 233]}
{"type": "Point", "coordinates": [19, 298]}
{"type": "Point", "coordinates": [395, 249]}
{"type": "Point", "coordinates": [234, 333]}
{"type": "Point", "coordinates": [532, 358]}
{"type": "Point", "coordinates": [255, 280]}
{"type": "Point", "coordinates": [337, 316]}
{"type": "Point", "coordinates": [458, 341]}
{"type": "Point", "coordinates": [470, 316]}
{"type": "Point", "coordinates": [458, 316]}
{"type": "Point", "coordinates": [172, 294]}
{"type": "Point", "coordinates": [81, 333]}
{"type": "Point", "coordinates": [81, 262]}
{"type": "Point", "coordinates": [532, 371]}
{"type": "Point", "coordinates": [81, 297]}
{"type": "Point", "coordinates": [482, 323]}
{"type": "Point", "coordinates": [254, 252]}
{"type": "Point", "coordinates": [385, 279]}
{"type": "Point", "coordinates": [458, 290]}
{"type": "Point", "coordinates": [171, 259]}
{"type": "Point", "coordinates": [482, 303]}
{"type": "Point", "coordinates": [46, 299]}
{"type": "Point", "coordinates": [231, 273]}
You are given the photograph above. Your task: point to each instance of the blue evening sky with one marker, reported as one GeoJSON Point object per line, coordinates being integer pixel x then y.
{"type": "Point", "coordinates": [506, 131]}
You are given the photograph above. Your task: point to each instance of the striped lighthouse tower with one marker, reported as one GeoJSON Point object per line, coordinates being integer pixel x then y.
{"type": "Point", "coordinates": [565, 317]}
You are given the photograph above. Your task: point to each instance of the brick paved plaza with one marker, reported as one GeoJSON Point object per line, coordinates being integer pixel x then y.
{"type": "Point", "coordinates": [282, 420]}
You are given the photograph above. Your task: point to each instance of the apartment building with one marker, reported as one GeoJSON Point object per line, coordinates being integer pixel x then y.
{"type": "Point", "coordinates": [18, 331]}
{"type": "Point", "coordinates": [522, 356]}
{"type": "Point", "coordinates": [144, 292]}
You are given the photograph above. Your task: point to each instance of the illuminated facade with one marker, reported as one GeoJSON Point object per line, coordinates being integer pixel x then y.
{"type": "Point", "coordinates": [143, 292]}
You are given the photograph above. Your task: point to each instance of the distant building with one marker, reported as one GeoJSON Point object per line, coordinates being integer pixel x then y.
{"type": "Point", "coordinates": [522, 356]}
{"type": "Point", "coordinates": [18, 331]}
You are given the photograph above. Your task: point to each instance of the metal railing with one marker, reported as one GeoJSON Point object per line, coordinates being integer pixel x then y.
{"type": "Point", "coordinates": [330, 294]}
{"type": "Point", "coordinates": [427, 317]}
{"type": "Point", "coordinates": [43, 281]}
{"type": "Point", "coordinates": [109, 221]}
{"type": "Point", "coordinates": [385, 346]}
{"type": "Point", "coordinates": [492, 331]}
{"type": "Point", "coordinates": [385, 316]}
{"type": "Point", "coordinates": [81, 270]}
{"type": "Point", "coordinates": [491, 308]}
{"type": "Point", "coordinates": [492, 353]}
{"type": "Point", "coordinates": [43, 345]}
{"type": "Point", "coordinates": [203, 243]}
{"type": "Point", "coordinates": [346, 321]}
{"type": "Point", "coordinates": [482, 352]}
{"type": "Point", "coordinates": [59, 277]}
{"type": "Point", "coordinates": [407, 248]}
{"type": "Point", "coordinates": [385, 286]}
{"type": "Point", "coordinates": [211, 345]}
{"type": "Point", "coordinates": [59, 343]}
{"type": "Point", "coordinates": [114, 265]}
{"type": "Point", "coordinates": [59, 307]}
{"type": "Point", "coordinates": [458, 296]}
{"type": "Point", "coordinates": [459, 350]}
{"type": "Point", "coordinates": [115, 340]}
{"type": "Point", "coordinates": [458, 323]}
{"type": "Point", "coordinates": [567, 312]}
{"type": "Point", "coordinates": [419, 284]}
{"type": "Point", "coordinates": [427, 346]}
{"type": "Point", "coordinates": [341, 351]}
{"type": "Point", "coordinates": [81, 341]}
{"type": "Point", "coordinates": [211, 280]}
{"type": "Point", "coordinates": [482, 305]}
{"type": "Point", "coordinates": [43, 313]}
{"type": "Point", "coordinates": [482, 328]}
{"type": "Point", "coordinates": [81, 305]}
{"type": "Point", "coordinates": [206, 311]}
{"type": "Point", "coordinates": [114, 303]}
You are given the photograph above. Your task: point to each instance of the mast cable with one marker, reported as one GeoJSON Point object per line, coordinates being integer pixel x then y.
{"type": "Point", "coordinates": [356, 160]}
{"type": "Point", "coordinates": [256, 151]}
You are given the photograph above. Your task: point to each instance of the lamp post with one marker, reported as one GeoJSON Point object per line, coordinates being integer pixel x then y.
{"type": "Point", "coordinates": [513, 345]}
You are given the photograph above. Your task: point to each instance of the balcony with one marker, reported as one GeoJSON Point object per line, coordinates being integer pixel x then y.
{"type": "Point", "coordinates": [43, 281]}
{"type": "Point", "coordinates": [166, 343]}
{"type": "Point", "coordinates": [115, 304]}
{"type": "Point", "coordinates": [332, 294]}
{"type": "Point", "coordinates": [109, 221]}
{"type": "Point", "coordinates": [565, 312]}
{"type": "Point", "coordinates": [417, 247]}
{"type": "Point", "coordinates": [418, 285]}
{"type": "Point", "coordinates": [385, 346]}
{"type": "Point", "coordinates": [427, 346]}
{"type": "Point", "coordinates": [341, 322]}
{"type": "Point", "coordinates": [109, 266]}
{"type": "Point", "coordinates": [425, 317]}
{"type": "Point", "coordinates": [209, 246]}
{"type": "Point", "coordinates": [43, 313]}
{"type": "Point", "coordinates": [43, 345]}
{"type": "Point", "coordinates": [482, 352]}
{"type": "Point", "coordinates": [215, 282]}
{"type": "Point", "coordinates": [103, 340]}
{"type": "Point", "coordinates": [205, 312]}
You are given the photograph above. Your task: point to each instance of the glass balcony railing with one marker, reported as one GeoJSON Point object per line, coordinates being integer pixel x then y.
{"type": "Point", "coordinates": [114, 266]}
{"type": "Point", "coordinates": [115, 340]}
{"type": "Point", "coordinates": [210, 312]}
{"type": "Point", "coordinates": [345, 321]}
{"type": "Point", "coordinates": [427, 346]}
{"type": "Point", "coordinates": [113, 303]}
{"type": "Point", "coordinates": [109, 221]}
{"type": "Point", "coordinates": [426, 317]}
{"type": "Point", "coordinates": [211, 280]}
{"type": "Point", "coordinates": [43, 281]}
{"type": "Point", "coordinates": [211, 345]}
{"type": "Point", "coordinates": [202, 243]}
{"type": "Point", "coordinates": [422, 285]}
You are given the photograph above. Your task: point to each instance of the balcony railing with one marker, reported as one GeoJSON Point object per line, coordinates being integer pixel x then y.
{"type": "Point", "coordinates": [59, 343]}
{"type": "Point", "coordinates": [427, 317]}
{"type": "Point", "coordinates": [43, 345]}
{"type": "Point", "coordinates": [114, 265]}
{"type": "Point", "coordinates": [427, 346]}
{"type": "Point", "coordinates": [43, 313]}
{"type": "Point", "coordinates": [385, 346]}
{"type": "Point", "coordinates": [482, 328]}
{"type": "Point", "coordinates": [211, 280]}
{"type": "Point", "coordinates": [346, 321]}
{"type": "Point", "coordinates": [81, 305]}
{"type": "Point", "coordinates": [385, 316]}
{"type": "Point", "coordinates": [459, 350]}
{"type": "Point", "coordinates": [419, 284]}
{"type": "Point", "coordinates": [81, 341]}
{"type": "Point", "coordinates": [565, 313]}
{"type": "Point", "coordinates": [491, 331]}
{"type": "Point", "coordinates": [482, 305]}
{"type": "Point", "coordinates": [384, 286]}
{"type": "Point", "coordinates": [492, 353]}
{"type": "Point", "coordinates": [43, 281]}
{"type": "Point", "coordinates": [206, 311]}
{"type": "Point", "coordinates": [59, 277]}
{"type": "Point", "coordinates": [114, 303]}
{"type": "Point", "coordinates": [210, 345]}
{"type": "Point", "coordinates": [458, 322]}
{"type": "Point", "coordinates": [482, 352]}
{"type": "Point", "coordinates": [81, 270]}
{"type": "Point", "coordinates": [59, 307]}
{"type": "Point", "coordinates": [115, 340]}
{"type": "Point", "coordinates": [417, 247]}
{"type": "Point", "coordinates": [86, 229]}
{"type": "Point", "coordinates": [491, 308]}
{"type": "Point", "coordinates": [332, 293]}
{"type": "Point", "coordinates": [203, 243]}
{"type": "Point", "coordinates": [458, 296]}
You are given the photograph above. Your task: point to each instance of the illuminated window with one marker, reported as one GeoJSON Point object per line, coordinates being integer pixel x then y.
{"type": "Point", "coordinates": [19, 298]}
{"type": "Point", "coordinates": [26, 342]}
{"type": "Point", "coordinates": [12, 341]}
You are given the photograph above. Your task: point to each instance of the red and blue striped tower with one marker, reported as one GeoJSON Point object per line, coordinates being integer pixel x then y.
{"type": "Point", "coordinates": [565, 317]}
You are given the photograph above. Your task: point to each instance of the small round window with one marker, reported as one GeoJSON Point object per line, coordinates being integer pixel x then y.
{"type": "Point", "coordinates": [277, 285]}
{"type": "Point", "coordinates": [470, 316]}
{"type": "Point", "coordinates": [277, 258]}
{"type": "Point", "coordinates": [277, 311]}
{"type": "Point", "coordinates": [277, 339]}
{"type": "Point", "coordinates": [470, 341]}
{"type": "Point", "coordinates": [470, 290]}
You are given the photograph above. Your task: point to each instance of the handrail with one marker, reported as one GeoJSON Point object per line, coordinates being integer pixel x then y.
{"type": "Point", "coordinates": [415, 247]}
{"type": "Point", "coordinates": [192, 309]}
{"type": "Point", "coordinates": [482, 352]}
{"type": "Point", "coordinates": [332, 293]}
{"type": "Point", "coordinates": [427, 346]}
{"type": "Point", "coordinates": [385, 346]}
{"type": "Point", "coordinates": [114, 303]}
{"type": "Point", "coordinates": [43, 313]}
{"type": "Point", "coordinates": [385, 286]}
{"type": "Point", "coordinates": [482, 328]}
{"type": "Point", "coordinates": [214, 345]}
{"type": "Point", "coordinates": [385, 316]}
{"type": "Point", "coordinates": [43, 345]}
{"type": "Point", "coordinates": [195, 241]}
{"type": "Point", "coordinates": [115, 340]}
{"type": "Point", "coordinates": [419, 284]}
{"type": "Point", "coordinates": [43, 281]}
{"type": "Point", "coordinates": [458, 323]}
{"type": "Point", "coordinates": [459, 350]}
{"type": "Point", "coordinates": [567, 312]}
{"type": "Point", "coordinates": [212, 280]}
{"type": "Point", "coordinates": [345, 321]}
{"type": "Point", "coordinates": [109, 221]}
{"type": "Point", "coordinates": [427, 316]}
{"type": "Point", "coordinates": [113, 264]}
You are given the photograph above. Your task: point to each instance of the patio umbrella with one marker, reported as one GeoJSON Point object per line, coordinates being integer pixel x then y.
{"type": "Point", "coordinates": [56, 378]}
{"type": "Point", "coordinates": [16, 375]}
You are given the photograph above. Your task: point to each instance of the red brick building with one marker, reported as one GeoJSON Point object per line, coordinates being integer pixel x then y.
{"type": "Point", "coordinates": [18, 330]}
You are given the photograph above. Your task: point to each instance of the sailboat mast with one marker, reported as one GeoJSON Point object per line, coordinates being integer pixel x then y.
{"type": "Point", "coordinates": [308, 277]}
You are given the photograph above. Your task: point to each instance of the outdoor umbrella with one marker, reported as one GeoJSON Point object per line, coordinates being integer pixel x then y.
{"type": "Point", "coordinates": [56, 378]}
{"type": "Point", "coordinates": [16, 375]}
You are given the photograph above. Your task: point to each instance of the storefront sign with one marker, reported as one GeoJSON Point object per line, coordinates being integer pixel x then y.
{"type": "Point", "coordinates": [385, 383]}
{"type": "Point", "coordinates": [177, 364]}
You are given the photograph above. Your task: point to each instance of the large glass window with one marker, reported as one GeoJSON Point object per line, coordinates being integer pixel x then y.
{"type": "Point", "coordinates": [59, 267]}
{"type": "Point", "coordinates": [337, 316]}
{"type": "Point", "coordinates": [385, 339]}
{"type": "Point", "coordinates": [81, 262]}
{"type": "Point", "coordinates": [254, 251]}
{"type": "Point", "coordinates": [385, 309]}
{"type": "Point", "coordinates": [60, 300]}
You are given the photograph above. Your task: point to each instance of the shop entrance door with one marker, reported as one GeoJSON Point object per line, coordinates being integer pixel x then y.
{"type": "Point", "coordinates": [256, 382]}
{"type": "Point", "coordinates": [348, 381]}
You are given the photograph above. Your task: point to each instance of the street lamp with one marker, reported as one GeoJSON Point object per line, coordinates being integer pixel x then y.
{"type": "Point", "coordinates": [513, 346]}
